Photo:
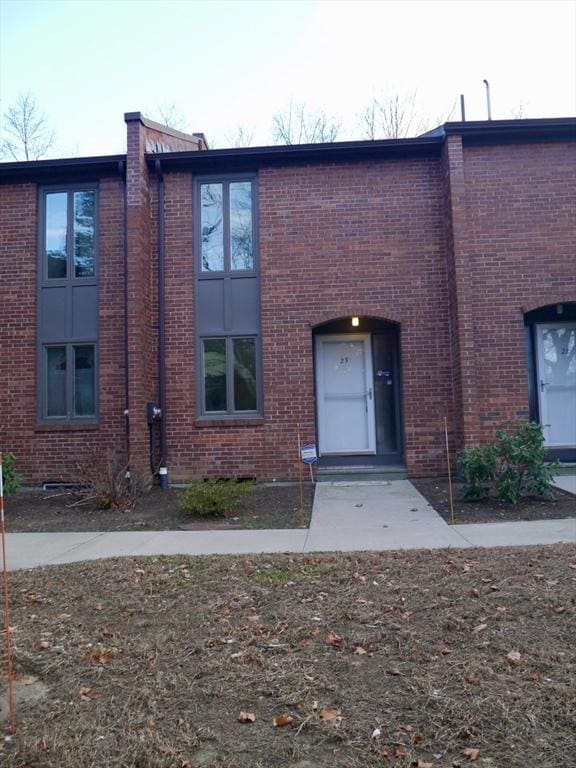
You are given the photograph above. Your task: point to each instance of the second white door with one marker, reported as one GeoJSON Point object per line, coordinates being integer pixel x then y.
{"type": "Point", "coordinates": [344, 393]}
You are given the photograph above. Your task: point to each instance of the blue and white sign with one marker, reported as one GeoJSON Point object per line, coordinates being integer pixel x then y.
{"type": "Point", "coordinates": [308, 454]}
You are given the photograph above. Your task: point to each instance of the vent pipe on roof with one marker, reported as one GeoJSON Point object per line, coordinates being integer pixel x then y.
{"type": "Point", "coordinates": [487, 84]}
{"type": "Point", "coordinates": [462, 108]}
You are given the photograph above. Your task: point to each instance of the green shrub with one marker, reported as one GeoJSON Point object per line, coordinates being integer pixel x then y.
{"type": "Point", "coordinates": [212, 497]}
{"type": "Point", "coordinates": [9, 475]}
{"type": "Point", "coordinates": [510, 467]}
{"type": "Point", "coordinates": [477, 467]}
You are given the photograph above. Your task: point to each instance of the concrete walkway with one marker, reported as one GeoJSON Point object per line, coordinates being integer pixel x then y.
{"type": "Point", "coordinates": [347, 517]}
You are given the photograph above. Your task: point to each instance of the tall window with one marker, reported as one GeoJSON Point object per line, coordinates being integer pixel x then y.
{"type": "Point", "coordinates": [68, 305]}
{"type": "Point", "coordinates": [228, 297]}
{"type": "Point", "coordinates": [227, 226]}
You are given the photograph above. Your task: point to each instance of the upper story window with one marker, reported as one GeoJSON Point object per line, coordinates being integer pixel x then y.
{"type": "Point", "coordinates": [227, 226]}
{"type": "Point", "coordinates": [69, 234]}
{"type": "Point", "coordinates": [67, 326]}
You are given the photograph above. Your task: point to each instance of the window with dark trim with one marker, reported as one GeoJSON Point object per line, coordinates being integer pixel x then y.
{"type": "Point", "coordinates": [226, 225]}
{"type": "Point", "coordinates": [230, 375]}
{"type": "Point", "coordinates": [68, 304]}
{"type": "Point", "coordinates": [227, 297]}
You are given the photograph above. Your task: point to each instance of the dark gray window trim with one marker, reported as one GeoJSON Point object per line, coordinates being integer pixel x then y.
{"type": "Point", "coordinates": [42, 265]}
{"type": "Point", "coordinates": [229, 416]}
{"type": "Point", "coordinates": [70, 417]}
{"type": "Point", "coordinates": [70, 280]}
{"type": "Point", "coordinates": [227, 271]}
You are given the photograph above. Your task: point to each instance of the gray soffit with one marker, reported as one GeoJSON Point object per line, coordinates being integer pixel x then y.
{"type": "Point", "coordinates": [63, 170]}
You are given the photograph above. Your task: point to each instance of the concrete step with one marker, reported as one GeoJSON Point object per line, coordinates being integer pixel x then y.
{"type": "Point", "coordinates": [356, 474]}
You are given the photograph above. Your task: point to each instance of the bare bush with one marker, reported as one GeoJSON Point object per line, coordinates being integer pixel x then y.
{"type": "Point", "coordinates": [107, 481]}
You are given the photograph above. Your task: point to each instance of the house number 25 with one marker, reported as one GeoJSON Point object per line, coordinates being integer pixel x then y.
{"type": "Point", "coordinates": [344, 360]}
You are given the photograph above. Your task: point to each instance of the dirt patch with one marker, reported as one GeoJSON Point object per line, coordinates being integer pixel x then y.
{"type": "Point", "coordinates": [264, 507]}
{"type": "Point", "coordinates": [435, 491]}
{"type": "Point", "coordinates": [393, 659]}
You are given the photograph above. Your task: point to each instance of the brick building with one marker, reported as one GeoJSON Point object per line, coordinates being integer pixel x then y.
{"type": "Point", "coordinates": [197, 306]}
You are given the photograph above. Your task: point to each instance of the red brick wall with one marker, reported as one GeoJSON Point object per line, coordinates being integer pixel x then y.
{"type": "Point", "coordinates": [50, 453]}
{"type": "Point", "coordinates": [454, 250]}
{"type": "Point", "coordinates": [337, 240]}
{"type": "Point", "coordinates": [521, 254]}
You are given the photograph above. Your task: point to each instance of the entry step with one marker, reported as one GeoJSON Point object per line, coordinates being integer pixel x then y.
{"type": "Point", "coordinates": [359, 474]}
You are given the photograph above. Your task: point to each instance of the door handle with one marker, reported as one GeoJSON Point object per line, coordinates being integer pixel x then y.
{"type": "Point", "coordinates": [542, 385]}
{"type": "Point", "coordinates": [370, 392]}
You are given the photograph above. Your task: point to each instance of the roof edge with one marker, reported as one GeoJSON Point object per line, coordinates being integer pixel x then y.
{"type": "Point", "coordinates": [247, 157]}
{"type": "Point", "coordinates": [38, 170]}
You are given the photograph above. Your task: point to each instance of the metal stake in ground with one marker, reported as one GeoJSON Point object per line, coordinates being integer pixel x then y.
{"type": "Point", "coordinates": [9, 670]}
{"type": "Point", "coordinates": [452, 520]}
{"type": "Point", "coordinates": [300, 475]}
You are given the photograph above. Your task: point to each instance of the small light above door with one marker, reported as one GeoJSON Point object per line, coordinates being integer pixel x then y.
{"type": "Point", "coordinates": [355, 322]}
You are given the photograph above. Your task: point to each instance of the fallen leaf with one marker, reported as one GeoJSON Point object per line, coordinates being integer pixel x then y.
{"type": "Point", "coordinates": [393, 671]}
{"type": "Point", "coordinates": [444, 650]}
{"type": "Point", "coordinates": [101, 655]}
{"type": "Point", "coordinates": [376, 733]}
{"type": "Point", "coordinates": [513, 658]}
{"type": "Point", "coordinates": [399, 751]}
{"type": "Point", "coordinates": [479, 628]}
{"type": "Point", "coordinates": [474, 592]}
{"type": "Point", "coordinates": [282, 720]}
{"type": "Point", "coordinates": [27, 679]}
{"type": "Point", "coordinates": [332, 716]}
{"type": "Point", "coordinates": [334, 640]}
{"type": "Point", "coordinates": [246, 717]}
{"type": "Point", "coordinates": [558, 608]}
{"type": "Point", "coordinates": [424, 764]}
{"type": "Point", "coordinates": [63, 616]}
{"type": "Point", "coordinates": [43, 645]}
{"type": "Point", "coordinates": [417, 738]}
{"type": "Point", "coordinates": [471, 753]}
{"type": "Point", "coordinates": [534, 675]}
{"type": "Point", "coordinates": [98, 607]}
{"type": "Point", "coordinates": [359, 651]}
{"type": "Point", "coordinates": [89, 694]}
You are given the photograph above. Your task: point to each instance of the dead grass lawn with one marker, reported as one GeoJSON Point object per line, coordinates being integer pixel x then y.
{"type": "Point", "coordinates": [149, 662]}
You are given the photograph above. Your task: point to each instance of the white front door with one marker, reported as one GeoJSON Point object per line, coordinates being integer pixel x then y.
{"type": "Point", "coordinates": [344, 395]}
{"type": "Point", "coordinates": [556, 365]}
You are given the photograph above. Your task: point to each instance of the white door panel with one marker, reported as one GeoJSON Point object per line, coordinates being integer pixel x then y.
{"type": "Point", "coordinates": [556, 364]}
{"type": "Point", "coordinates": [344, 394]}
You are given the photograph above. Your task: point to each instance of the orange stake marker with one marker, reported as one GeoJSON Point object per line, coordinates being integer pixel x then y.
{"type": "Point", "coordinates": [9, 669]}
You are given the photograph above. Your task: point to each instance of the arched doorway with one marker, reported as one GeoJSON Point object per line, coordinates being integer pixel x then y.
{"type": "Point", "coordinates": [358, 392]}
{"type": "Point", "coordinates": [551, 356]}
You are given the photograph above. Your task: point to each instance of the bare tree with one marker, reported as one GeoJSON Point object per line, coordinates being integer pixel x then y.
{"type": "Point", "coordinates": [395, 116]}
{"type": "Point", "coordinates": [26, 134]}
{"type": "Point", "coordinates": [241, 136]}
{"type": "Point", "coordinates": [300, 125]}
{"type": "Point", "coordinates": [172, 117]}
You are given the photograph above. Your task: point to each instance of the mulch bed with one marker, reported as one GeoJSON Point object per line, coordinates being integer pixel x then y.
{"type": "Point", "coordinates": [435, 491]}
{"type": "Point", "coordinates": [442, 659]}
{"type": "Point", "coordinates": [264, 507]}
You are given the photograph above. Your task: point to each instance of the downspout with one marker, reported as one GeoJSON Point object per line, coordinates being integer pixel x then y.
{"type": "Point", "coordinates": [122, 169]}
{"type": "Point", "coordinates": [163, 472]}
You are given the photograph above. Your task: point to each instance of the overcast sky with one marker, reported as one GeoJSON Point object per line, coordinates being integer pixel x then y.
{"type": "Point", "coordinates": [225, 64]}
